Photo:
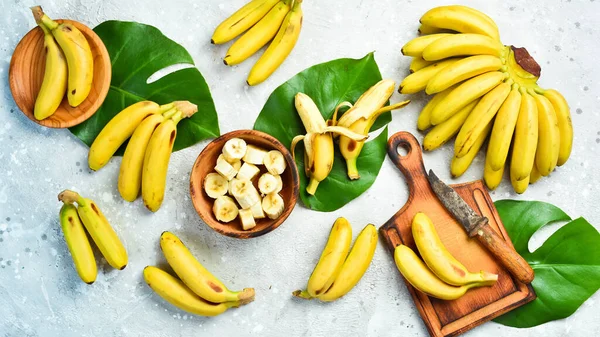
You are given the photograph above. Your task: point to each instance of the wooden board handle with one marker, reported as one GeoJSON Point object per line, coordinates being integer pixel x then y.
{"type": "Point", "coordinates": [410, 164]}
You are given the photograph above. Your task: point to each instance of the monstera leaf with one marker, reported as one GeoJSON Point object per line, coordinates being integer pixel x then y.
{"type": "Point", "coordinates": [567, 265]}
{"type": "Point", "coordinates": [328, 84]}
{"type": "Point", "coordinates": [137, 51]}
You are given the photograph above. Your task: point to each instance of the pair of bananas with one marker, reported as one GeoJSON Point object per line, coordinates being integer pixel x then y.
{"type": "Point", "coordinates": [441, 276]}
{"type": "Point", "coordinates": [69, 66]}
{"type": "Point", "coordinates": [278, 21]}
{"type": "Point", "coordinates": [483, 89]}
{"type": "Point", "coordinates": [338, 271]}
{"type": "Point", "coordinates": [353, 129]}
{"type": "Point", "coordinates": [153, 129]}
{"type": "Point", "coordinates": [196, 290]}
{"type": "Point", "coordinates": [75, 221]}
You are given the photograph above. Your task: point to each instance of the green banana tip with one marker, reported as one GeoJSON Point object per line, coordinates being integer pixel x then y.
{"type": "Point", "coordinates": [302, 294]}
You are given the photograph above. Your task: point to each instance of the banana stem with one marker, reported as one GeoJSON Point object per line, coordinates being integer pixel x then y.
{"type": "Point", "coordinates": [42, 19]}
{"type": "Point", "coordinates": [312, 186]}
{"type": "Point", "coordinates": [302, 294]}
{"type": "Point", "coordinates": [178, 116]}
{"type": "Point", "coordinates": [166, 107]}
{"type": "Point", "coordinates": [170, 113]}
{"type": "Point", "coordinates": [186, 107]}
{"type": "Point", "coordinates": [246, 296]}
{"type": "Point", "coordinates": [352, 169]}
{"type": "Point", "coordinates": [69, 197]}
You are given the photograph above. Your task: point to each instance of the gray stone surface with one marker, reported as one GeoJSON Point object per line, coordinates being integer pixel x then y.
{"type": "Point", "coordinates": [40, 293]}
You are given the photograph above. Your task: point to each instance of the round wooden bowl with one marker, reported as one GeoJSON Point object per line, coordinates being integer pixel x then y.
{"type": "Point", "coordinates": [26, 73]}
{"type": "Point", "coordinates": [205, 164]}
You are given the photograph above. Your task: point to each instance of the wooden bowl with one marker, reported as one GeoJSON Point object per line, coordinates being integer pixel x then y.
{"type": "Point", "coordinates": [205, 164]}
{"type": "Point", "coordinates": [26, 73]}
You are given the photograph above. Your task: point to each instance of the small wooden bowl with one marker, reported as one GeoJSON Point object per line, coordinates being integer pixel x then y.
{"type": "Point", "coordinates": [26, 74]}
{"type": "Point", "coordinates": [205, 164]}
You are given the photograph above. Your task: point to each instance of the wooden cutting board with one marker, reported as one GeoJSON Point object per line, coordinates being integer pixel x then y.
{"type": "Point", "coordinates": [477, 306]}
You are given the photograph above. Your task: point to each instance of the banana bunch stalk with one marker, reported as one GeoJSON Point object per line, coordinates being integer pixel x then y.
{"type": "Point", "coordinates": [484, 90]}
{"type": "Point", "coordinates": [195, 289]}
{"type": "Point", "coordinates": [278, 21]}
{"type": "Point", "coordinates": [340, 268]}
{"type": "Point", "coordinates": [87, 217]}
{"type": "Point", "coordinates": [69, 66]}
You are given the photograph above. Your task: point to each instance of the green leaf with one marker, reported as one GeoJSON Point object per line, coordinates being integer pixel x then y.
{"type": "Point", "coordinates": [566, 266]}
{"type": "Point", "coordinates": [137, 51]}
{"type": "Point", "coordinates": [328, 84]}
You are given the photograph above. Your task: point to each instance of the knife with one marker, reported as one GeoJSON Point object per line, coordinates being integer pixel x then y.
{"type": "Point", "coordinates": [478, 226]}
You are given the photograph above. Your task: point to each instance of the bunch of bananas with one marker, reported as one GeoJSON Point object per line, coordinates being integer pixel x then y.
{"type": "Point", "coordinates": [75, 221]}
{"type": "Point", "coordinates": [196, 290]}
{"type": "Point", "coordinates": [338, 271]}
{"type": "Point", "coordinates": [482, 88]}
{"type": "Point", "coordinates": [152, 129]}
{"type": "Point", "coordinates": [69, 66]}
{"type": "Point", "coordinates": [264, 20]}
{"type": "Point", "coordinates": [352, 128]}
{"type": "Point", "coordinates": [441, 276]}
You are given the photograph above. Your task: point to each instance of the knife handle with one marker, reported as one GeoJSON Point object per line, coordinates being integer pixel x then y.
{"type": "Point", "coordinates": [505, 254]}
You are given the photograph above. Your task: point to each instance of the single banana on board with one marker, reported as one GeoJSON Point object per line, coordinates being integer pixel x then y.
{"type": "Point", "coordinates": [80, 61]}
{"type": "Point", "coordinates": [331, 260]}
{"type": "Point", "coordinates": [416, 46]}
{"type": "Point", "coordinates": [565, 126]}
{"type": "Point", "coordinates": [241, 20]}
{"type": "Point", "coordinates": [548, 147]}
{"type": "Point", "coordinates": [418, 80]}
{"type": "Point", "coordinates": [452, 45]}
{"type": "Point", "coordinates": [78, 243]}
{"type": "Point", "coordinates": [97, 226]}
{"type": "Point", "coordinates": [504, 127]}
{"type": "Point", "coordinates": [461, 70]}
{"type": "Point", "coordinates": [461, 19]}
{"type": "Point", "coordinates": [196, 277]}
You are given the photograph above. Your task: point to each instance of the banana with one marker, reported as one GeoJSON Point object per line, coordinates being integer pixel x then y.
{"type": "Point", "coordinates": [535, 175]}
{"type": "Point", "coordinates": [267, 183]}
{"type": "Point", "coordinates": [426, 30]}
{"type": "Point", "coordinates": [259, 35]}
{"type": "Point", "coordinates": [176, 293]}
{"type": "Point", "coordinates": [526, 138]}
{"type": "Point", "coordinates": [195, 276]}
{"type": "Point", "coordinates": [355, 265]}
{"type": "Point", "coordinates": [225, 169]}
{"type": "Point", "coordinates": [274, 162]}
{"type": "Point", "coordinates": [504, 127]}
{"type": "Point", "coordinates": [257, 211]}
{"type": "Point", "coordinates": [244, 192]}
{"type": "Point", "coordinates": [461, 19]}
{"type": "Point", "coordinates": [54, 84]}
{"type": "Point", "coordinates": [331, 260]}
{"type": "Point", "coordinates": [442, 133]}
{"type": "Point", "coordinates": [247, 219]}
{"type": "Point", "coordinates": [418, 63]}
{"type": "Point", "coordinates": [247, 171]}
{"type": "Point", "coordinates": [565, 126]}
{"type": "Point", "coordinates": [234, 150]}
{"type": "Point", "coordinates": [479, 118]}
{"type": "Point", "coordinates": [273, 205]}
{"type": "Point", "coordinates": [419, 276]}
{"type": "Point", "coordinates": [225, 209]}
{"type": "Point", "coordinates": [452, 45]}
{"type": "Point", "coordinates": [520, 186]}
{"type": "Point", "coordinates": [464, 94]}
{"type": "Point", "coordinates": [241, 20]}
{"type": "Point", "coordinates": [418, 80]}
{"type": "Point", "coordinates": [458, 166]}
{"type": "Point", "coordinates": [77, 52]}
{"type": "Point", "coordinates": [97, 226]}
{"type": "Point", "coordinates": [254, 155]}
{"type": "Point", "coordinates": [280, 47]}
{"type": "Point", "coordinates": [416, 46]}
{"type": "Point", "coordinates": [461, 70]}
{"type": "Point", "coordinates": [424, 120]}
{"type": "Point", "coordinates": [439, 259]}
{"type": "Point", "coordinates": [548, 148]}
{"type": "Point", "coordinates": [78, 244]}
{"type": "Point", "coordinates": [492, 177]}
{"type": "Point", "coordinates": [215, 185]}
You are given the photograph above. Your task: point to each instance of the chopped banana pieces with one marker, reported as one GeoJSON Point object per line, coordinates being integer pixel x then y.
{"type": "Point", "coordinates": [274, 162]}
{"type": "Point", "coordinates": [257, 211]}
{"type": "Point", "coordinates": [247, 219]}
{"type": "Point", "coordinates": [244, 192]}
{"type": "Point", "coordinates": [225, 169]}
{"type": "Point", "coordinates": [215, 185]}
{"type": "Point", "coordinates": [254, 155]}
{"type": "Point", "coordinates": [225, 209]}
{"type": "Point", "coordinates": [273, 205]}
{"type": "Point", "coordinates": [267, 183]}
{"type": "Point", "coordinates": [248, 171]}
{"type": "Point", "coordinates": [234, 149]}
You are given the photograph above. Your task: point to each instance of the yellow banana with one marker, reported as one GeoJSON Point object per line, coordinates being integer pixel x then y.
{"type": "Point", "coordinates": [479, 118]}
{"type": "Point", "coordinates": [452, 45]}
{"type": "Point", "coordinates": [464, 94]}
{"type": "Point", "coordinates": [418, 63]}
{"type": "Point", "coordinates": [195, 276]}
{"type": "Point", "coordinates": [565, 126]}
{"type": "Point", "coordinates": [526, 138]}
{"type": "Point", "coordinates": [439, 259]}
{"type": "Point", "coordinates": [535, 175]}
{"type": "Point", "coordinates": [54, 84]}
{"type": "Point", "coordinates": [419, 276]}
{"type": "Point", "coordinates": [331, 260]}
{"type": "Point", "coordinates": [78, 243]}
{"type": "Point", "coordinates": [259, 35]}
{"type": "Point", "coordinates": [425, 30]}
{"type": "Point", "coordinates": [355, 266]}
{"type": "Point", "coordinates": [442, 133]}
{"type": "Point", "coordinates": [176, 293]}
{"type": "Point", "coordinates": [462, 70]}
{"type": "Point", "coordinates": [461, 19]}
{"type": "Point", "coordinates": [492, 177]}
{"type": "Point", "coordinates": [458, 166]}
{"type": "Point", "coordinates": [97, 226]}
{"type": "Point", "coordinates": [424, 120]}
{"type": "Point", "coordinates": [520, 186]}
{"type": "Point", "coordinates": [416, 46]}
{"type": "Point", "coordinates": [548, 148]}
{"type": "Point", "coordinates": [241, 20]}
{"type": "Point", "coordinates": [504, 127]}
{"type": "Point", "coordinates": [280, 47]}
{"type": "Point", "coordinates": [418, 80]}
{"type": "Point", "coordinates": [80, 61]}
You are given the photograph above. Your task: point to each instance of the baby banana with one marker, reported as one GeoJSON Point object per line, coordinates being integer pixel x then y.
{"type": "Point", "coordinates": [548, 147]}
{"type": "Point", "coordinates": [504, 127]}
{"type": "Point", "coordinates": [418, 80]}
{"type": "Point", "coordinates": [461, 19]}
{"type": "Point", "coordinates": [442, 133]}
{"type": "Point", "coordinates": [462, 70]}
{"type": "Point", "coordinates": [102, 233]}
{"type": "Point", "coordinates": [195, 276]}
{"type": "Point", "coordinates": [458, 165]}
{"type": "Point", "coordinates": [492, 177]}
{"type": "Point", "coordinates": [78, 243]}
{"type": "Point", "coordinates": [462, 44]}
{"type": "Point", "coordinates": [416, 46]}
{"type": "Point", "coordinates": [565, 126]}
{"type": "Point", "coordinates": [242, 20]}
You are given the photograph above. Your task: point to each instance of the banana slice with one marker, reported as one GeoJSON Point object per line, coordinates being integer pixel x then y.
{"type": "Point", "coordinates": [248, 171]}
{"type": "Point", "coordinates": [225, 169]}
{"type": "Point", "coordinates": [225, 209]}
{"type": "Point", "coordinates": [215, 185]}
{"type": "Point", "coordinates": [279, 183]}
{"type": "Point", "coordinates": [244, 192]}
{"type": "Point", "coordinates": [274, 162]}
{"type": "Point", "coordinates": [237, 164]}
{"type": "Point", "coordinates": [273, 205]}
{"type": "Point", "coordinates": [234, 149]}
{"type": "Point", "coordinates": [267, 183]}
{"type": "Point", "coordinates": [257, 211]}
{"type": "Point", "coordinates": [247, 219]}
{"type": "Point", "coordinates": [254, 155]}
